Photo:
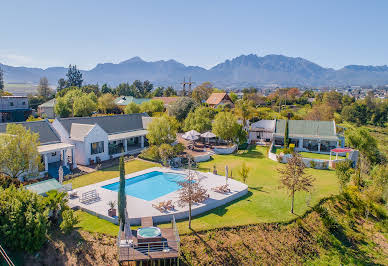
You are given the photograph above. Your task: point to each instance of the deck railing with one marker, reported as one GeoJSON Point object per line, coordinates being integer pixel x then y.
{"type": "Point", "coordinates": [131, 252]}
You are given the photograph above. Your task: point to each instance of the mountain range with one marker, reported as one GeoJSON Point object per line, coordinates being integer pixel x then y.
{"type": "Point", "coordinates": [239, 72]}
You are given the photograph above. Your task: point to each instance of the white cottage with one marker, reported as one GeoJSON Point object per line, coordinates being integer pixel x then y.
{"type": "Point", "coordinates": [104, 137]}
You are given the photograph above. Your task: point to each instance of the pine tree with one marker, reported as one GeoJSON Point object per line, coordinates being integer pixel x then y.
{"type": "Point", "coordinates": [74, 77]}
{"type": "Point", "coordinates": [122, 200]}
{"type": "Point", "coordinates": [286, 138]}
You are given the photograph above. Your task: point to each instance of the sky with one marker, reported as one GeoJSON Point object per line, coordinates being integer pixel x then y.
{"type": "Point", "coordinates": [330, 33]}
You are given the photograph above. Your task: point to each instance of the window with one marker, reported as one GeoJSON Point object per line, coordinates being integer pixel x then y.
{"type": "Point", "coordinates": [24, 103]}
{"type": "Point", "coordinates": [97, 147]}
{"type": "Point", "coordinates": [11, 103]}
{"type": "Point", "coordinates": [54, 154]}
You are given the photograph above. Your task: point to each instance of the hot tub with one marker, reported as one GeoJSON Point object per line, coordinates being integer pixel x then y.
{"type": "Point", "coordinates": [149, 232]}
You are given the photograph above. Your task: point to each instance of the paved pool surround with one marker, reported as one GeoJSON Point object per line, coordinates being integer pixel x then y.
{"type": "Point", "coordinates": [138, 208]}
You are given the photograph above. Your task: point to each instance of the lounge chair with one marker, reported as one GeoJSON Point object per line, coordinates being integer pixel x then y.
{"type": "Point", "coordinates": [169, 206]}
{"type": "Point", "coordinates": [222, 189]}
{"type": "Point", "coordinates": [160, 206]}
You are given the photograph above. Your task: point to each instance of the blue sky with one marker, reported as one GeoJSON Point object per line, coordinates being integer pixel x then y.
{"type": "Point", "coordinates": [58, 33]}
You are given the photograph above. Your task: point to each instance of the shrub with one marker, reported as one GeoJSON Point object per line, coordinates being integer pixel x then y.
{"type": "Point", "coordinates": [313, 164]}
{"type": "Point", "coordinates": [151, 153]}
{"type": "Point", "coordinates": [179, 148]}
{"type": "Point", "coordinates": [6, 181]}
{"type": "Point", "coordinates": [292, 147]}
{"type": "Point", "coordinates": [23, 220]}
{"type": "Point", "coordinates": [166, 152]}
{"type": "Point", "coordinates": [68, 221]}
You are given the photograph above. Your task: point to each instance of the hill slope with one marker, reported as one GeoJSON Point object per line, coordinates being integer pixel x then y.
{"type": "Point", "coordinates": [242, 71]}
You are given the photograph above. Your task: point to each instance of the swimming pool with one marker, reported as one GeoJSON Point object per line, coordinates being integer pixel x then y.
{"type": "Point", "coordinates": [149, 186]}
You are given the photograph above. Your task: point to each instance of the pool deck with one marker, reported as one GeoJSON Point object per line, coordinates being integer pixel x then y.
{"type": "Point", "coordinates": [138, 208]}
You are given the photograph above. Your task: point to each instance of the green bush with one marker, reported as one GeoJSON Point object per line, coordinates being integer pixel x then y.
{"type": "Point", "coordinates": [68, 221]}
{"type": "Point", "coordinates": [179, 148]}
{"type": "Point", "coordinates": [23, 220]}
{"type": "Point", "coordinates": [6, 181]}
{"type": "Point", "coordinates": [313, 164]}
{"type": "Point", "coordinates": [151, 153]}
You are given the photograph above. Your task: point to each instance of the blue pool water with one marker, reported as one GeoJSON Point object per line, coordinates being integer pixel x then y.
{"type": "Point", "coordinates": [149, 186]}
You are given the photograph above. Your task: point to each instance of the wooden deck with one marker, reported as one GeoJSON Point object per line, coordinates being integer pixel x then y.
{"type": "Point", "coordinates": [166, 248]}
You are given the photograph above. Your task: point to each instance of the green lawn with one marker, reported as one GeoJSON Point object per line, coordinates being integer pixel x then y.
{"type": "Point", "coordinates": [319, 156]}
{"type": "Point", "coordinates": [110, 172]}
{"type": "Point", "coordinates": [265, 201]}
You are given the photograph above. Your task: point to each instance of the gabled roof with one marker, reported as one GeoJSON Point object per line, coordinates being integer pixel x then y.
{"type": "Point", "coordinates": [167, 100]}
{"type": "Point", "coordinates": [79, 131]}
{"type": "Point", "coordinates": [217, 97]}
{"type": "Point", "coordinates": [125, 100]}
{"type": "Point", "coordinates": [307, 129]}
{"type": "Point", "coordinates": [111, 124]}
{"type": "Point", "coordinates": [49, 103]}
{"type": "Point", "coordinates": [46, 133]}
{"type": "Point", "coordinates": [265, 125]}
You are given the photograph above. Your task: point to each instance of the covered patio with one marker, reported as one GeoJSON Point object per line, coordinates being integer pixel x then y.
{"type": "Point", "coordinates": [56, 155]}
{"type": "Point", "coordinates": [126, 143]}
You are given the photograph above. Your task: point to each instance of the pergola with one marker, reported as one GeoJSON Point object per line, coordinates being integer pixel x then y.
{"type": "Point", "coordinates": [339, 150]}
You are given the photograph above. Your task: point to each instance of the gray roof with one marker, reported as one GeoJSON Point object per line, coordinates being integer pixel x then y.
{"type": "Point", "coordinates": [46, 133]}
{"type": "Point", "coordinates": [307, 129]}
{"type": "Point", "coordinates": [265, 125]}
{"type": "Point", "coordinates": [49, 103]}
{"type": "Point", "coordinates": [79, 131]}
{"type": "Point", "coordinates": [111, 124]}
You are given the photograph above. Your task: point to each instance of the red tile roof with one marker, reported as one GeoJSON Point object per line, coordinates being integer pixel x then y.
{"type": "Point", "coordinates": [216, 97]}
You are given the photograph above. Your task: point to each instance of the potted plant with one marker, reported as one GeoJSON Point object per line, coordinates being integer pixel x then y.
{"type": "Point", "coordinates": [112, 210]}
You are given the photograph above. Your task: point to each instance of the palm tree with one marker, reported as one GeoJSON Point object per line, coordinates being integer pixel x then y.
{"type": "Point", "coordinates": [245, 111]}
{"type": "Point", "coordinates": [56, 202]}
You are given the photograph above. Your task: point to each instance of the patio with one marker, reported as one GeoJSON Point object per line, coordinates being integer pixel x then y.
{"type": "Point", "coordinates": [141, 208]}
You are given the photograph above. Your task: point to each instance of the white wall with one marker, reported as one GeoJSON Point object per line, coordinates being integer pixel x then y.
{"type": "Point", "coordinates": [97, 134]}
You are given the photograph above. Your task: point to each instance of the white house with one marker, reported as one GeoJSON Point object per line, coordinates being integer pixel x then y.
{"type": "Point", "coordinates": [54, 153]}
{"type": "Point", "coordinates": [262, 131]}
{"type": "Point", "coordinates": [103, 137]}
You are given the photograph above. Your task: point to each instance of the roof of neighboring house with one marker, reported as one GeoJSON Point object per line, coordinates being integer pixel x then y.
{"type": "Point", "coordinates": [167, 100]}
{"type": "Point", "coordinates": [217, 97]}
{"type": "Point", "coordinates": [125, 100]}
{"type": "Point", "coordinates": [49, 103]}
{"type": "Point", "coordinates": [46, 133]}
{"type": "Point", "coordinates": [79, 131]}
{"type": "Point", "coordinates": [264, 124]}
{"type": "Point", "coordinates": [307, 129]}
{"type": "Point", "coordinates": [111, 124]}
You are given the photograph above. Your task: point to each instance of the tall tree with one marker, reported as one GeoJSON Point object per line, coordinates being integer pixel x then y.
{"type": "Point", "coordinates": [225, 126]}
{"type": "Point", "coordinates": [19, 152]}
{"type": "Point", "coordinates": [122, 198]}
{"type": "Point", "coordinates": [106, 103]}
{"type": "Point", "coordinates": [181, 108]}
{"type": "Point", "coordinates": [286, 136]}
{"type": "Point", "coordinates": [74, 77]}
{"type": "Point", "coordinates": [191, 191]}
{"type": "Point", "coordinates": [199, 120]}
{"type": "Point", "coordinates": [61, 84]}
{"type": "Point", "coordinates": [294, 178]}
{"type": "Point", "coordinates": [245, 110]}
{"type": "Point", "coordinates": [106, 89]}
{"type": "Point", "coordinates": [1, 81]}
{"type": "Point", "coordinates": [43, 88]}
{"type": "Point", "coordinates": [343, 170]}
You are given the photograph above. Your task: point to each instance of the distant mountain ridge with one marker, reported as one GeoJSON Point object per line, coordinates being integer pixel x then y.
{"type": "Point", "coordinates": [239, 72]}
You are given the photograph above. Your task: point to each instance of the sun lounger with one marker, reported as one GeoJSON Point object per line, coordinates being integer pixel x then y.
{"type": "Point", "coordinates": [222, 189]}
{"type": "Point", "coordinates": [89, 196]}
{"type": "Point", "coordinates": [169, 206]}
{"type": "Point", "coordinates": [159, 207]}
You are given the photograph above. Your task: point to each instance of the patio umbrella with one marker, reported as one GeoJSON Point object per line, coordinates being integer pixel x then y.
{"type": "Point", "coordinates": [208, 135]}
{"type": "Point", "coordinates": [190, 136]}
{"type": "Point", "coordinates": [193, 132]}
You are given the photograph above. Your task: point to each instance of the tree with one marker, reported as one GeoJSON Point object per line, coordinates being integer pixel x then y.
{"type": "Point", "coordinates": [199, 120]}
{"type": "Point", "coordinates": [202, 92]}
{"type": "Point", "coordinates": [106, 103]}
{"type": "Point", "coordinates": [191, 191]}
{"type": "Point", "coordinates": [233, 96]}
{"type": "Point", "coordinates": [122, 198]}
{"type": "Point", "coordinates": [1, 81]}
{"type": "Point", "coordinates": [43, 88]}
{"type": "Point", "coordinates": [62, 108]}
{"type": "Point", "coordinates": [244, 172]}
{"type": "Point", "coordinates": [286, 136]}
{"type": "Point", "coordinates": [123, 89]}
{"type": "Point", "coordinates": [225, 126]}
{"type": "Point", "coordinates": [23, 220]}
{"type": "Point", "coordinates": [169, 92]}
{"type": "Point", "coordinates": [106, 89]}
{"type": "Point", "coordinates": [69, 219]}
{"type": "Point", "coordinates": [132, 108]}
{"type": "Point", "coordinates": [166, 151]}
{"type": "Point", "coordinates": [151, 107]}
{"type": "Point", "coordinates": [19, 152]}
{"type": "Point", "coordinates": [320, 112]}
{"type": "Point", "coordinates": [360, 139]}
{"type": "Point", "coordinates": [343, 170]}
{"type": "Point", "coordinates": [245, 110]}
{"type": "Point", "coordinates": [181, 108]}
{"type": "Point", "coordinates": [162, 130]}
{"type": "Point", "coordinates": [56, 202]}
{"type": "Point", "coordinates": [293, 177]}
{"type": "Point", "coordinates": [61, 84]}
{"type": "Point", "coordinates": [74, 77]}
{"type": "Point", "coordinates": [84, 105]}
